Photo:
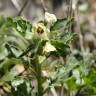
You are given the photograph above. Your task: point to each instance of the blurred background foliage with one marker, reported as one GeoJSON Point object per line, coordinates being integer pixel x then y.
{"type": "Point", "coordinates": [78, 76]}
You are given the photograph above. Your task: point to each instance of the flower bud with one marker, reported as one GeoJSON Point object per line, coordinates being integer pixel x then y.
{"type": "Point", "coordinates": [50, 18]}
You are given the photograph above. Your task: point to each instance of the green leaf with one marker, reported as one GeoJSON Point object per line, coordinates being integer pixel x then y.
{"type": "Point", "coordinates": [2, 21]}
{"type": "Point", "coordinates": [7, 63]}
{"type": "Point", "coordinates": [3, 52]}
{"type": "Point", "coordinates": [62, 49]}
{"type": "Point", "coordinates": [40, 46]}
{"type": "Point", "coordinates": [20, 90]}
{"type": "Point", "coordinates": [71, 83]}
{"type": "Point", "coordinates": [21, 25]}
{"type": "Point", "coordinates": [11, 74]}
{"type": "Point", "coordinates": [60, 30]}
{"type": "Point", "coordinates": [59, 25]}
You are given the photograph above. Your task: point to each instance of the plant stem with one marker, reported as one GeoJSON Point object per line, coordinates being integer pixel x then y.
{"type": "Point", "coordinates": [39, 81]}
{"type": "Point", "coordinates": [38, 77]}
{"type": "Point", "coordinates": [43, 6]}
{"type": "Point", "coordinates": [79, 30]}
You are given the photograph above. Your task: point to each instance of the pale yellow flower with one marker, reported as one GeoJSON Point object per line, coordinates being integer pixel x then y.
{"type": "Point", "coordinates": [40, 31]}
{"type": "Point", "coordinates": [50, 18]}
{"type": "Point", "coordinates": [48, 47]}
{"type": "Point", "coordinates": [41, 59]}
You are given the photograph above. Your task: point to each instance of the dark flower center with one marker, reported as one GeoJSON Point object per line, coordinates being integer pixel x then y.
{"type": "Point", "coordinates": [40, 30]}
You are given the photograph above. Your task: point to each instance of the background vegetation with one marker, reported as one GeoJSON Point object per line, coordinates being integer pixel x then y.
{"type": "Point", "coordinates": [41, 55]}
